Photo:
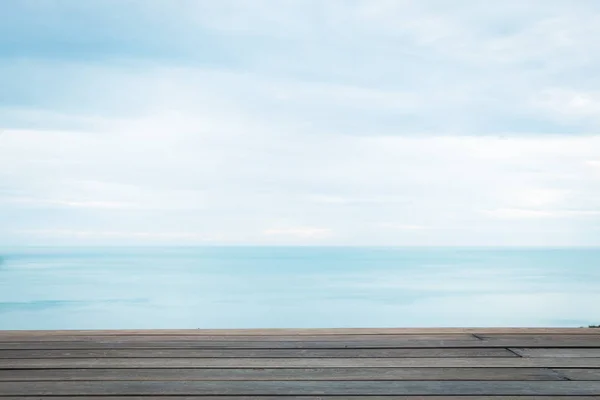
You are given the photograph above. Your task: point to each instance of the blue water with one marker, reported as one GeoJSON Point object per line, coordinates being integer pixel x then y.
{"type": "Point", "coordinates": [261, 287]}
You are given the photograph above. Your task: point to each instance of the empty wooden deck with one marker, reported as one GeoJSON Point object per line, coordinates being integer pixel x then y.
{"type": "Point", "coordinates": [354, 364]}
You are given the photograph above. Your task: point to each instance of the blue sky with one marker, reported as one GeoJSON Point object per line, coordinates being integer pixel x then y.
{"type": "Point", "coordinates": [341, 122]}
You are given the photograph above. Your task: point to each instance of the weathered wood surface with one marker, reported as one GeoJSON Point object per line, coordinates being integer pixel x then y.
{"type": "Point", "coordinates": [557, 352]}
{"type": "Point", "coordinates": [298, 344]}
{"type": "Point", "coordinates": [321, 397]}
{"type": "Point", "coordinates": [362, 364]}
{"type": "Point", "coordinates": [292, 374]}
{"type": "Point", "coordinates": [580, 374]}
{"type": "Point", "coordinates": [311, 331]}
{"type": "Point", "coordinates": [423, 362]}
{"type": "Point", "coordinates": [376, 343]}
{"type": "Point", "coordinates": [243, 338]}
{"type": "Point", "coordinates": [259, 353]}
{"type": "Point", "coordinates": [335, 388]}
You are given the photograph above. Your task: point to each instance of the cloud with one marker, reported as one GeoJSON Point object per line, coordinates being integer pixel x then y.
{"type": "Point", "coordinates": [301, 232]}
{"type": "Point", "coordinates": [516, 213]}
{"type": "Point", "coordinates": [349, 200]}
{"type": "Point", "coordinates": [102, 235]}
{"type": "Point", "coordinates": [593, 163]}
{"type": "Point", "coordinates": [401, 227]}
{"type": "Point", "coordinates": [536, 197]}
{"type": "Point", "coordinates": [569, 104]}
{"type": "Point", "coordinates": [261, 188]}
{"type": "Point", "coordinates": [467, 124]}
{"type": "Point", "coordinates": [68, 203]}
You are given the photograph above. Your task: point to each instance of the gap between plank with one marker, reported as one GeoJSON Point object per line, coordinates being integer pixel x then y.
{"type": "Point", "coordinates": [514, 352]}
{"type": "Point", "coordinates": [560, 374]}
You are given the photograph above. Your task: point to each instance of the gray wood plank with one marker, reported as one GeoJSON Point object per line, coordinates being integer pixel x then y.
{"type": "Point", "coordinates": [258, 353]}
{"type": "Point", "coordinates": [236, 338]}
{"type": "Point", "coordinates": [115, 344]}
{"type": "Point", "coordinates": [580, 374]}
{"type": "Point", "coordinates": [303, 397]}
{"type": "Point", "coordinates": [538, 341]}
{"type": "Point", "coordinates": [424, 362]}
{"type": "Point", "coordinates": [362, 344]}
{"type": "Point", "coordinates": [529, 336]}
{"type": "Point", "coordinates": [308, 331]}
{"type": "Point", "coordinates": [321, 338]}
{"type": "Point", "coordinates": [541, 342]}
{"type": "Point", "coordinates": [556, 352]}
{"type": "Point", "coordinates": [224, 374]}
{"type": "Point", "coordinates": [137, 388]}
{"type": "Point", "coordinates": [524, 332]}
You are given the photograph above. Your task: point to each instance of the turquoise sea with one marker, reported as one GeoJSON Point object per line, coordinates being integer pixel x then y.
{"type": "Point", "coordinates": [260, 287]}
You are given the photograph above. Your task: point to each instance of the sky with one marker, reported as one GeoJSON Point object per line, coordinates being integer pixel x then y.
{"type": "Point", "coordinates": [309, 122]}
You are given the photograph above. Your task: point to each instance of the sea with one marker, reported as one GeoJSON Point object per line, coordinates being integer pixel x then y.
{"type": "Point", "coordinates": [297, 287]}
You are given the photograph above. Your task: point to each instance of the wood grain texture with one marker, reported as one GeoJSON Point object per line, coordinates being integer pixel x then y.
{"type": "Point", "coordinates": [554, 336]}
{"type": "Point", "coordinates": [379, 364]}
{"type": "Point", "coordinates": [309, 331]}
{"type": "Point", "coordinates": [258, 353]}
{"type": "Point", "coordinates": [376, 343]}
{"type": "Point", "coordinates": [557, 352]}
{"type": "Point", "coordinates": [151, 397]}
{"type": "Point", "coordinates": [580, 374]}
{"type": "Point", "coordinates": [541, 341]}
{"type": "Point", "coordinates": [299, 374]}
{"type": "Point", "coordinates": [424, 362]}
{"type": "Point", "coordinates": [236, 338]}
{"type": "Point", "coordinates": [588, 339]}
{"type": "Point", "coordinates": [201, 344]}
{"type": "Point", "coordinates": [137, 388]}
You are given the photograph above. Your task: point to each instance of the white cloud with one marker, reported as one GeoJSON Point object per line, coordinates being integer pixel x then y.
{"type": "Point", "coordinates": [242, 185]}
{"type": "Point", "coordinates": [516, 213]}
{"type": "Point", "coordinates": [68, 203]}
{"type": "Point", "coordinates": [95, 235]}
{"type": "Point", "coordinates": [328, 199]}
{"type": "Point", "coordinates": [440, 126]}
{"type": "Point", "coordinates": [539, 197]}
{"type": "Point", "coordinates": [401, 227]}
{"type": "Point", "coordinates": [593, 163]}
{"type": "Point", "coordinates": [300, 232]}
{"type": "Point", "coordinates": [569, 103]}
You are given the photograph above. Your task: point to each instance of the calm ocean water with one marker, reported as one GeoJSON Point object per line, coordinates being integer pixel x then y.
{"type": "Point", "coordinates": [258, 287]}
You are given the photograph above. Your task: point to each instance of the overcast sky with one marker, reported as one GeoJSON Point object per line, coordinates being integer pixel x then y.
{"type": "Point", "coordinates": [309, 122]}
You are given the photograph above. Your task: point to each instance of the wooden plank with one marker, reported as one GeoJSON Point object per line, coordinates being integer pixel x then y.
{"type": "Point", "coordinates": [465, 388]}
{"type": "Point", "coordinates": [202, 344]}
{"type": "Point", "coordinates": [556, 352]}
{"type": "Point", "coordinates": [308, 331]}
{"type": "Point", "coordinates": [281, 374]}
{"type": "Point", "coordinates": [547, 337]}
{"type": "Point", "coordinates": [361, 344]}
{"type": "Point", "coordinates": [258, 353]}
{"type": "Point", "coordinates": [541, 341]}
{"type": "Point", "coordinates": [239, 338]}
{"type": "Point", "coordinates": [115, 344]}
{"type": "Point", "coordinates": [307, 398]}
{"type": "Point", "coordinates": [425, 362]}
{"type": "Point", "coordinates": [580, 374]}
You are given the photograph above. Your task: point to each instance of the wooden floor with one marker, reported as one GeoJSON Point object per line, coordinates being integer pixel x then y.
{"type": "Point", "coordinates": [431, 364]}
